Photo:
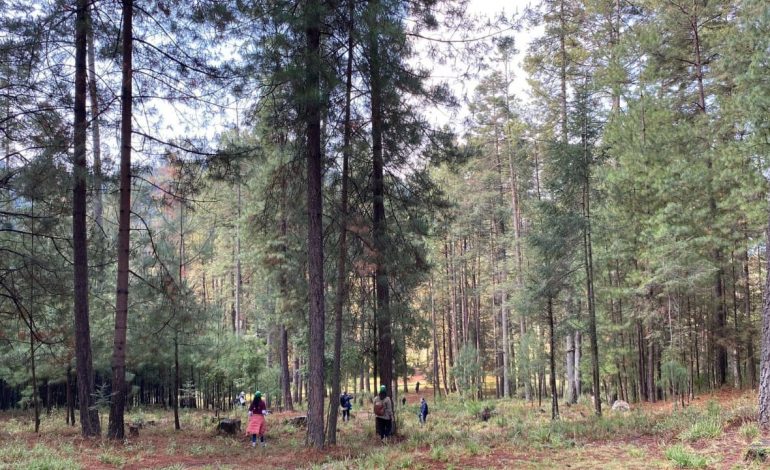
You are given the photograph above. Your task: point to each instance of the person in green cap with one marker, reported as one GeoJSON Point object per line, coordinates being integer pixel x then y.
{"type": "Point", "coordinates": [383, 412]}
{"type": "Point", "coordinates": [257, 413]}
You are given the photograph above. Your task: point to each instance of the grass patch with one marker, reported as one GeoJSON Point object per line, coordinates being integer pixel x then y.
{"type": "Point", "coordinates": [438, 453]}
{"type": "Point", "coordinates": [38, 458]}
{"type": "Point", "coordinates": [682, 457]}
{"type": "Point", "coordinates": [112, 459]}
{"type": "Point", "coordinates": [636, 452]}
{"type": "Point", "coordinates": [749, 431]}
{"type": "Point", "coordinates": [707, 428]}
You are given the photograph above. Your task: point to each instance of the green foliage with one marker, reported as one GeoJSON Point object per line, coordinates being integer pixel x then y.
{"type": "Point", "coordinates": [749, 431]}
{"type": "Point", "coordinates": [467, 371]}
{"type": "Point", "coordinates": [675, 377]}
{"type": "Point", "coordinates": [706, 428]}
{"type": "Point", "coordinates": [683, 457]}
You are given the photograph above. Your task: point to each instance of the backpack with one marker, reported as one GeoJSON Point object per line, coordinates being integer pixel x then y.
{"type": "Point", "coordinates": [379, 408]}
{"type": "Point", "coordinates": [342, 401]}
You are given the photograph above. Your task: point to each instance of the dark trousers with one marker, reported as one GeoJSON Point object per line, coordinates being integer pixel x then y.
{"type": "Point", "coordinates": [346, 414]}
{"type": "Point", "coordinates": [383, 427]}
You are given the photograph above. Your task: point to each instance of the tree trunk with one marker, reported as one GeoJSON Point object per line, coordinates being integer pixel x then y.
{"type": "Point", "coordinates": [95, 134]}
{"type": "Point", "coordinates": [435, 381]}
{"type": "Point", "coordinates": [89, 417]}
{"type": "Point", "coordinates": [342, 281]}
{"type": "Point", "coordinates": [285, 375]}
{"type": "Point", "coordinates": [589, 269]}
{"type": "Point", "coordinates": [764, 357]}
{"type": "Point", "coordinates": [35, 400]}
{"type": "Point", "coordinates": [70, 413]}
{"type": "Point", "coordinates": [238, 320]}
{"type": "Point", "coordinates": [297, 380]}
{"type": "Point", "coordinates": [751, 371]}
{"type": "Point", "coordinates": [578, 358]}
{"type": "Point", "coordinates": [116, 425]}
{"type": "Point", "coordinates": [571, 395]}
{"type": "Point", "coordinates": [177, 385]}
{"type": "Point", "coordinates": [552, 332]}
{"type": "Point", "coordinates": [379, 227]}
{"type": "Point", "coordinates": [315, 425]}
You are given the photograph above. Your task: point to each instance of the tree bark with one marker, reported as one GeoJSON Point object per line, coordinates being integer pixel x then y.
{"type": "Point", "coordinates": [751, 371]}
{"type": "Point", "coordinates": [315, 425]}
{"type": "Point", "coordinates": [177, 385]}
{"type": "Point", "coordinates": [589, 269]}
{"type": "Point", "coordinates": [764, 355]}
{"type": "Point", "coordinates": [379, 227]}
{"type": "Point", "coordinates": [117, 408]}
{"type": "Point", "coordinates": [342, 281]}
{"type": "Point", "coordinates": [435, 380]}
{"type": "Point", "coordinates": [552, 339]}
{"type": "Point", "coordinates": [95, 134]}
{"type": "Point", "coordinates": [571, 395]}
{"type": "Point", "coordinates": [89, 417]}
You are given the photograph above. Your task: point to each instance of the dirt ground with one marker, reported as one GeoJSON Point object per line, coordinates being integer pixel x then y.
{"type": "Point", "coordinates": [198, 446]}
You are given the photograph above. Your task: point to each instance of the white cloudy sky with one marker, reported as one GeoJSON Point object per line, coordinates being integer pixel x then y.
{"type": "Point", "coordinates": [183, 121]}
{"type": "Point", "coordinates": [463, 87]}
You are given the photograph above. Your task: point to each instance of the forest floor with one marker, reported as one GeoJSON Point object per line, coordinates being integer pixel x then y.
{"type": "Point", "coordinates": [713, 431]}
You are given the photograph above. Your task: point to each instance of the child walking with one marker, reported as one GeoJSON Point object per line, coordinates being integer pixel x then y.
{"type": "Point", "coordinates": [257, 413]}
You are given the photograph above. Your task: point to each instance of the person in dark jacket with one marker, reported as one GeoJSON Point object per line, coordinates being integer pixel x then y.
{"type": "Point", "coordinates": [423, 411]}
{"type": "Point", "coordinates": [346, 404]}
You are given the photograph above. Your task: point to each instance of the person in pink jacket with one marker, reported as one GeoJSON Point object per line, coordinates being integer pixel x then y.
{"type": "Point", "coordinates": [257, 413]}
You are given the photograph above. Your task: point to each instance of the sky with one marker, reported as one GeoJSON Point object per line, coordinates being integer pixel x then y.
{"type": "Point", "coordinates": [182, 121]}
{"type": "Point", "coordinates": [462, 87]}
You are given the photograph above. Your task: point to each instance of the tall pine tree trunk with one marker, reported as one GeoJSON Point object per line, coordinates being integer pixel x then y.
{"type": "Point", "coordinates": [552, 358]}
{"type": "Point", "coordinates": [379, 227]}
{"type": "Point", "coordinates": [589, 269]}
{"type": "Point", "coordinates": [435, 380]}
{"type": "Point", "coordinates": [95, 134]}
{"type": "Point", "coordinates": [764, 355]}
{"type": "Point", "coordinates": [342, 281]}
{"type": "Point", "coordinates": [89, 417]}
{"type": "Point", "coordinates": [116, 424]}
{"type": "Point", "coordinates": [315, 425]}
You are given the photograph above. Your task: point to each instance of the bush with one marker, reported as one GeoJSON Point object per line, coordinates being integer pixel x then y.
{"type": "Point", "coordinates": [438, 453]}
{"type": "Point", "coordinates": [749, 431]}
{"type": "Point", "coordinates": [708, 428]}
{"type": "Point", "coordinates": [684, 458]}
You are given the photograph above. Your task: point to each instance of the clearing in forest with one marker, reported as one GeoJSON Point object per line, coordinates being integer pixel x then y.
{"type": "Point", "coordinates": [713, 432]}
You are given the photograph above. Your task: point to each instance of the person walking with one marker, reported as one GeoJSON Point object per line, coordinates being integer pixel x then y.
{"type": "Point", "coordinates": [257, 413]}
{"type": "Point", "coordinates": [423, 411]}
{"type": "Point", "coordinates": [345, 403]}
{"type": "Point", "coordinates": [383, 412]}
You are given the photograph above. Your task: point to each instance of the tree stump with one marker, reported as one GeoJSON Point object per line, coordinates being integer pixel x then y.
{"type": "Point", "coordinates": [486, 414]}
{"type": "Point", "coordinates": [758, 451]}
{"type": "Point", "coordinates": [297, 421]}
{"type": "Point", "coordinates": [229, 426]}
{"type": "Point", "coordinates": [133, 430]}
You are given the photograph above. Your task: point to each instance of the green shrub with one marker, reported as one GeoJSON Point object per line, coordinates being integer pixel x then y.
{"type": "Point", "coordinates": [438, 453]}
{"type": "Point", "coordinates": [707, 428]}
{"type": "Point", "coordinates": [713, 409]}
{"type": "Point", "coordinates": [684, 458]}
{"type": "Point", "coordinates": [112, 459]}
{"type": "Point", "coordinates": [749, 431]}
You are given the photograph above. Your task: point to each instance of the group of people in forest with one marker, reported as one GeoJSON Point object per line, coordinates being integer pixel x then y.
{"type": "Point", "coordinates": [383, 412]}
